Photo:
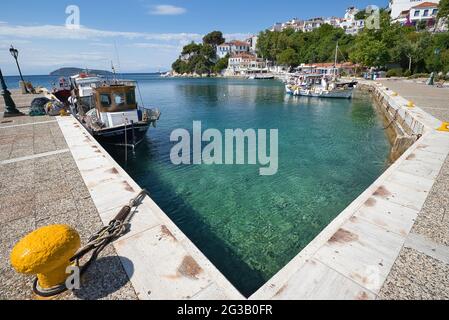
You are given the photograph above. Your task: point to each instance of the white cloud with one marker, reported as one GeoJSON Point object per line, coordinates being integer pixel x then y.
{"type": "Point", "coordinates": [6, 44]}
{"type": "Point", "coordinates": [167, 10]}
{"type": "Point", "coordinates": [88, 47]}
{"type": "Point", "coordinates": [84, 33]}
{"type": "Point", "coordinates": [236, 36]}
{"type": "Point", "coordinates": [146, 45]}
{"type": "Point", "coordinates": [101, 44]}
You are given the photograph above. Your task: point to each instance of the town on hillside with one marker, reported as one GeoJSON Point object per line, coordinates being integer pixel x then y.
{"type": "Point", "coordinates": [246, 58]}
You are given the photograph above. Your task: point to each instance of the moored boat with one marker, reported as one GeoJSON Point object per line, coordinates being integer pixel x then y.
{"type": "Point", "coordinates": [321, 85]}
{"type": "Point", "coordinates": [62, 91]}
{"type": "Point", "coordinates": [109, 111]}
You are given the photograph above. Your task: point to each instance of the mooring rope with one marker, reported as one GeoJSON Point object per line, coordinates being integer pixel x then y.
{"type": "Point", "coordinates": [97, 243]}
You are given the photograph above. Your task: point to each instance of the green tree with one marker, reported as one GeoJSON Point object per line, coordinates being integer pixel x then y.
{"type": "Point", "coordinates": [361, 15]}
{"type": "Point", "coordinates": [288, 57]}
{"type": "Point", "coordinates": [215, 38]}
{"type": "Point", "coordinates": [443, 9]}
{"type": "Point", "coordinates": [208, 52]}
{"type": "Point", "coordinates": [369, 51]}
{"type": "Point", "coordinates": [191, 48]}
{"type": "Point", "coordinates": [181, 67]}
{"type": "Point", "coordinates": [221, 64]}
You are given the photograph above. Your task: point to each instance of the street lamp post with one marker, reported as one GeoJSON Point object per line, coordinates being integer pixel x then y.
{"type": "Point", "coordinates": [15, 53]}
{"type": "Point", "coordinates": [10, 106]}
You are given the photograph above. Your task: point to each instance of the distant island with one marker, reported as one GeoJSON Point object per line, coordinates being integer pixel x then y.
{"type": "Point", "coordinates": [67, 72]}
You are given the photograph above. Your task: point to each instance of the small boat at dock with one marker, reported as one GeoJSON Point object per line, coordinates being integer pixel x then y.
{"type": "Point", "coordinates": [321, 85]}
{"type": "Point", "coordinates": [262, 76]}
{"type": "Point", "coordinates": [110, 112]}
{"type": "Point", "coordinates": [62, 90]}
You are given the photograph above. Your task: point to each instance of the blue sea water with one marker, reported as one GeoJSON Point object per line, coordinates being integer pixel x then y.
{"type": "Point", "coordinates": [250, 226]}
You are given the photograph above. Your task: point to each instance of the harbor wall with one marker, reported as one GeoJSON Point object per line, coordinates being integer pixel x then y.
{"type": "Point", "coordinates": [402, 130]}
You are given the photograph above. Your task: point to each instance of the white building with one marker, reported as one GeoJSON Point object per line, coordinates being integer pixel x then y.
{"type": "Point", "coordinates": [233, 47]}
{"type": "Point", "coordinates": [252, 42]}
{"type": "Point", "coordinates": [426, 11]}
{"type": "Point", "coordinates": [349, 23]}
{"type": "Point", "coordinates": [244, 64]}
{"type": "Point", "coordinates": [276, 27]}
{"type": "Point", "coordinates": [399, 7]}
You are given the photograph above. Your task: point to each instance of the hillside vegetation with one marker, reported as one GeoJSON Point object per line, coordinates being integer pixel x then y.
{"type": "Point", "coordinates": [392, 46]}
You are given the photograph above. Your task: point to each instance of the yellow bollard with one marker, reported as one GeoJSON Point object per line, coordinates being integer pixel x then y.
{"type": "Point", "coordinates": [444, 127]}
{"type": "Point", "coordinates": [410, 104]}
{"type": "Point", "coordinates": [46, 253]}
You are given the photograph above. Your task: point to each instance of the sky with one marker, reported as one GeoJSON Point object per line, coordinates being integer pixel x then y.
{"type": "Point", "coordinates": [136, 35]}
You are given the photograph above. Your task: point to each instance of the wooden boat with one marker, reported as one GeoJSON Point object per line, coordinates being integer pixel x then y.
{"type": "Point", "coordinates": [112, 115]}
{"type": "Point", "coordinates": [62, 91]}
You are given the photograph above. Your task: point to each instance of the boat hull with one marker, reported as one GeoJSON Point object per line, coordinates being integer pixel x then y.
{"type": "Point", "coordinates": [339, 94]}
{"type": "Point", "coordinates": [336, 94]}
{"type": "Point", "coordinates": [129, 136]}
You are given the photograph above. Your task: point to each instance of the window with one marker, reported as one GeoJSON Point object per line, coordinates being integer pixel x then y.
{"type": "Point", "coordinates": [131, 97]}
{"type": "Point", "coordinates": [119, 99]}
{"type": "Point", "coordinates": [105, 100]}
{"type": "Point", "coordinates": [417, 13]}
{"type": "Point", "coordinates": [426, 13]}
{"type": "Point", "coordinates": [435, 12]}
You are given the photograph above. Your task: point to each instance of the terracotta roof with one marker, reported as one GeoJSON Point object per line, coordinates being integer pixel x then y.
{"type": "Point", "coordinates": [244, 56]}
{"type": "Point", "coordinates": [234, 43]}
{"type": "Point", "coordinates": [426, 5]}
{"type": "Point", "coordinates": [238, 43]}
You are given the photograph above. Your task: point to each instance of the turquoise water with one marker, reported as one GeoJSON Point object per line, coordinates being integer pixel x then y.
{"type": "Point", "coordinates": [248, 225]}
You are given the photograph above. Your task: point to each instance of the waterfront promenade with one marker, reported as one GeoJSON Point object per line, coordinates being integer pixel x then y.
{"type": "Point", "coordinates": [40, 185]}
{"type": "Point", "coordinates": [422, 269]}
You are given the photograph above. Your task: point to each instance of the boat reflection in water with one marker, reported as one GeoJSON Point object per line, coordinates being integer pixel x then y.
{"type": "Point", "coordinates": [109, 110]}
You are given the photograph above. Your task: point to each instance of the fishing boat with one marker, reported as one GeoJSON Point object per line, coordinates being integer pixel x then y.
{"type": "Point", "coordinates": [109, 111]}
{"type": "Point", "coordinates": [261, 76]}
{"type": "Point", "coordinates": [318, 85]}
{"type": "Point", "coordinates": [321, 86]}
{"type": "Point", "coordinates": [62, 90]}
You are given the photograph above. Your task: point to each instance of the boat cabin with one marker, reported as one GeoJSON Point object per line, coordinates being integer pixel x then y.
{"type": "Point", "coordinates": [115, 98]}
{"type": "Point", "coordinates": [116, 105]}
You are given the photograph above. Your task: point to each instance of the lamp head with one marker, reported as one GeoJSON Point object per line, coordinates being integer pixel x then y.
{"type": "Point", "coordinates": [14, 52]}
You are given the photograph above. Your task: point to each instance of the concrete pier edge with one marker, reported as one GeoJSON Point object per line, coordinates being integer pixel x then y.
{"type": "Point", "coordinates": [166, 265]}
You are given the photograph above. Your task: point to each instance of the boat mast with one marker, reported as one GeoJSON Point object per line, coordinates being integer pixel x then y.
{"type": "Point", "coordinates": [113, 71]}
{"type": "Point", "coordinates": [336, 61]}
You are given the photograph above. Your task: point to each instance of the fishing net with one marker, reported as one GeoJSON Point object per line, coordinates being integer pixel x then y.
{"type": "Point", "coordinates": [38, 107]}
